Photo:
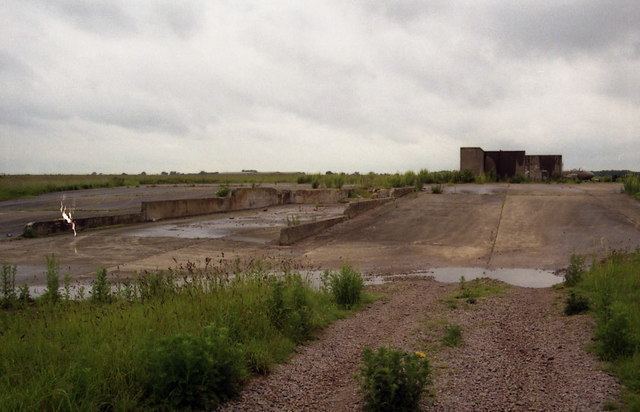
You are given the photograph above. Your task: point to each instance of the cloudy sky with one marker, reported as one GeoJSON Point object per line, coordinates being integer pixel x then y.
{"type": "Point", "coordinates": [377, 85]}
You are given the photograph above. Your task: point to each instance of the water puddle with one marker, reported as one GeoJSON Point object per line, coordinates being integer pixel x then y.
{"type": "Point", "coordinates": [526, 278]}
{"type": "Point", "coordinates": [224, 225]}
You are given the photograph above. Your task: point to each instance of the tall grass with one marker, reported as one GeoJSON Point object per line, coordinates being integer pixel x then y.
{"type": "Point", "coordinates": [612, 288]}
{"type": "Point", "coordinates": [632, 185]}
{"type": "Point", "coordinates": [166, 340]}
{"type": "Point", "coordinates": [16, 186]}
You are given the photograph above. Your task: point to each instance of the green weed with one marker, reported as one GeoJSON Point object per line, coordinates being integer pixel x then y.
{"type": "Point", "coordinates": [392, 380]}
{"type": "Point", "coordinates": [176, 339]}
{"type": "Point", "coordinates": [452, 336]}
{"type": "Point", "coordinates": [612, 287]}
{"type": "Point", "coordinates": [346, 286]}
{"type": "Point", "coordinates": [575, 304]}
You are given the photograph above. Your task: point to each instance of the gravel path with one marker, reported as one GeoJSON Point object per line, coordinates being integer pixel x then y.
{"type": "Point", "coordinates": [519, 353]}
{"type": "Point", "coordinates": [321, 375]}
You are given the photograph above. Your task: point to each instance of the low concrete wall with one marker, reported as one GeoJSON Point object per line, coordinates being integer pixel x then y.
{"type": "Point", "coordinates": [48, 227]}
{"type": "Point", "coordinates": [354, 209]}
{"type": "Point", "coordinates": [290, 235]}
{"type": "Point", "coordinates": [166, 209]}
{"type": "Point", "coordinates": [401, 191]}
{"type": "Point", "coordinates": [318, 196]}
{"type": "Point", "coordinates": [254, 198]}
{"type": "Point", "coordinates": [239, 199]}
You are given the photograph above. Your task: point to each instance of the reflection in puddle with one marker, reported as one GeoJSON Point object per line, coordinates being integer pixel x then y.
{"type": "Point", "coordinates": [527, 278]}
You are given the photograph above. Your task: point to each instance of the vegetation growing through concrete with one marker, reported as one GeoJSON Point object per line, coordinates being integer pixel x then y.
{"type": "Point", "coordinates": [612, 287]}
{"type": "Point", "coordinates": [175, 339]}
{"type": "Point", "coordinates": [393, 380]}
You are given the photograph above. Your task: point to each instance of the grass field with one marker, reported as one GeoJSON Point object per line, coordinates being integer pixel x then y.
{"type": "Point", "coordinates": [17, 186]}
{"type": "Point", "coordinates": [165, 341]}
{"type": "Point", "coordinates": [632, 185]}
{"type": "Point", "coordinates": [612, 289]}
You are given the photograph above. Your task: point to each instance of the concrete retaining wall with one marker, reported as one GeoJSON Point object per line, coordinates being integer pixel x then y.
{"type": "Point", "coordinates": [292, 234]}
{"type": "Point", "coordinates": [49, 227]}
{"type": "Point", "coordinates": [354, 209]}
{"type": "Point", "coordinates": [166, 209]}
{"type": "Point", "coordinates": [254, 198]}
{"type": "Point", "coordinates": [401, 191]}
{"type": "Point", "coordinates": [318, 196]}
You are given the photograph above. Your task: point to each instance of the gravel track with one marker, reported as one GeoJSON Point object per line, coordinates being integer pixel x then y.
{"type": "Point", "coordinates": [518, 353]}
{"type": "Point", "coordinates": [521, 353]}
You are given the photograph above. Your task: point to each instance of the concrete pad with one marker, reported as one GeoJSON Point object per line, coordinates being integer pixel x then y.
{"type": "Point", "coordinates": [487, 226]}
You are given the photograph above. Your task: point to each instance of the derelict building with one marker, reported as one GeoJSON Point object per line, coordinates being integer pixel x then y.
{"type": "Point", "coordinates": [506, 164]}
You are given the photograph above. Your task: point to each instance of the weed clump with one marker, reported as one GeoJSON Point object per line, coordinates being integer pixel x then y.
{"type": "Point", "coordinates": [223, 191]}
{"type": "Point", "coordinates": [632, 185]}
{"type": "Point", "coordinates": [614, 334]}
{"type": "Point", "coordinates": [575, 271]}
{"type": "Point", "coordinates": [575, 304]}
{"type": "Point", "coordinates": [198, 372]}
{"type": "Point", "coordinates": [452, 336]}
{"type": "Point", "coordinates": [612, 287]}
{"type": "Point", "coordinates": [101, 290]}
{"type": "Point", "coordinates": [436, 189]}
{"type": "Point", "coordinates": [346, 286]}
{"type": "Point", "coordinates": [52, 292]}
{"type": "Point", "coordinates": [393, 380]}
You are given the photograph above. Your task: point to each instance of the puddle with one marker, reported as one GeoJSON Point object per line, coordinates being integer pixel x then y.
{"type": "Point", "coordinates": [526, 278]}
{"type": "Point", "coordinates": [225, 225]}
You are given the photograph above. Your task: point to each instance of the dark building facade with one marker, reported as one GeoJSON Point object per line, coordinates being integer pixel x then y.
{"type": "Point", "coordinates": [507, 164]}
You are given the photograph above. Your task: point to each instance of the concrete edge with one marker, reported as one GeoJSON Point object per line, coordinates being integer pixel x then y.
{"type": "Point", "coordinates": [292, 234]}
{"type": "Point", "coordinates": [49, 227]}
{"type": "Point", "coordinates": [354, 209]}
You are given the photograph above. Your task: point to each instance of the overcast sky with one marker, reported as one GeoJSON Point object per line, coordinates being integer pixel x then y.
{"type": "Point", "coordinates": [350, 85]}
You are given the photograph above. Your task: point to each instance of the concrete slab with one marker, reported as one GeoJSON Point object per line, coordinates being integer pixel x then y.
{"type": "Point", "coordinates": [514, 226]}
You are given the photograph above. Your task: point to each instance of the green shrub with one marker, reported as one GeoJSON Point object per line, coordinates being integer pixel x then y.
{"type": "Point", "coordinates": [223, 191]}
{"type": "Point", "coordinates": [101, 290]}
{"type": "Point", "coordinates": [346, 286]}
{"type": "Point", "coordinates": [614, 334]}
{"type": "Point", "coordinates": [575, 304]}
{"type": "Point", "coordinates": [575, 271]}
{"type": "Point", "coordinates": [632, 184]}
{"type": "Point", "coordinates": [198, 372]}
{"type": "Point", "coordinates": [436, 189]}
{"type": "Point", "coordinates": [452, 336]}
{"type": "Point", "coordinates": [393, 380]}
{"type": "Point", "coordinates": [466, 176]}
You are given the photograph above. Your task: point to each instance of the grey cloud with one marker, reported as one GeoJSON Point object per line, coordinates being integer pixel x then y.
{"type": "Point", "coordinates": [317, 85]}
{"type": "Point", "coordinates": [100, 16]}
{"type": "Point", "coordinates": [574, 26]}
